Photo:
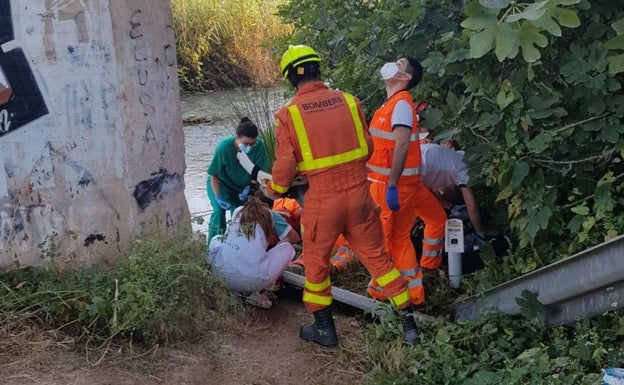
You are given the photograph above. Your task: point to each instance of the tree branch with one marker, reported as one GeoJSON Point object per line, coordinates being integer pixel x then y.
{"type": "Point", "coordinates": [572, 125]}
{"type": "Point", "coordinates": [571, 162]}
{"type": "Point", "coordinates": [591, 196]}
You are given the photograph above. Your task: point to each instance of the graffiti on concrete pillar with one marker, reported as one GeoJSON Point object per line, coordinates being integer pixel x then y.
{"type": "Point", "coordinates": [57, 11]}
{"type": "Point", "coordinates": [159, 185]}
{"type": "Point", "coordinates": [20, 98]}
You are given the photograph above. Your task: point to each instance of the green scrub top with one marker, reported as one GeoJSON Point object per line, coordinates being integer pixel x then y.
{"type": "Point", "coordinates": [232, 176]}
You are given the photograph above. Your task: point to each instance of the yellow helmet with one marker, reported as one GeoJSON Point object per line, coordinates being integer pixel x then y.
{"type": "Point", "coordinates": [297, 55]}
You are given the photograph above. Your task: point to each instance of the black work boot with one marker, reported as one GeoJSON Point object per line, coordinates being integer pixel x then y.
{"type": "Point", "coordinates": [322, 331]}
{"type": "Point", "coordinates": [410, 331]}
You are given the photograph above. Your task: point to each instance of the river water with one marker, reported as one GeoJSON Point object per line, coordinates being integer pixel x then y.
{"type": "Point", "coordinates": [221, 111]}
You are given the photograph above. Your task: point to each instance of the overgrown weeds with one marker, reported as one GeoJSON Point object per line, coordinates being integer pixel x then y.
{"type": "Point", "coordinates": [226, 44]}
{"type": "Point", "coordinates": [161, 293]}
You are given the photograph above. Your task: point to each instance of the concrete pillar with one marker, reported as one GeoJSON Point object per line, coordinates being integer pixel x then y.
{"type": "Point", "coordinates": [91, 136]}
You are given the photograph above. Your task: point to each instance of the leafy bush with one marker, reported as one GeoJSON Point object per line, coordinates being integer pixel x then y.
{"type": "Point", "coordinates": [164, 290]}
{"type": "Point", "coordinates": [492, 351]}
{"type": "Point", "coordinates": [533, 92]}
{"type": "Point", "coordinates": [538, 108]}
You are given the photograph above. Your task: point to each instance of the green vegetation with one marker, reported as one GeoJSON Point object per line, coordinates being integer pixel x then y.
{"type": "Point", "coordinates": [495, 350]}
{"type": "Point", "coordinates": [229, 44]}
{"type": "Point", "coordinates": [533, 92]}
{"type": "Point", "coordinates": [226, 44]}
{"type": "Point", "coordinates": [498, 350]}
{"type": "Point", "coordinates": [162, 292]}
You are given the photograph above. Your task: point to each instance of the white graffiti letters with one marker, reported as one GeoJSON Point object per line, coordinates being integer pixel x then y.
{"type": "Point", "coordinates": [4, 121]}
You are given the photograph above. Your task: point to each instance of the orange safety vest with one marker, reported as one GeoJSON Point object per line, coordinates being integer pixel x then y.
{"type": "Point", "coordinates": [380, 163]}
{"type": "Point", "coordinates": [320, 149]}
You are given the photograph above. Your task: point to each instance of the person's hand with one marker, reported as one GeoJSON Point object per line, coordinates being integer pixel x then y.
{"type": "Point", "coordinates": [392, 198]}
{"type": "Point", "coordinates": [222, 202]}
{"type": "Point", "coordinates": [244, 194]}
{"type": "Point", "coordinates": [268, 192]}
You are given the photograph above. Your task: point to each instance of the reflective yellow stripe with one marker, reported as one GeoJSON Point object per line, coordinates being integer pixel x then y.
{"type": "Point", "coordinates": [317, 286]}
{"type": "Point", "coordinates": [304, 143]}
{"type": "Point", "coordinates": [400, 299]}
{"type": "Point", "coordinates": [309, 163]}
{"type": "Point", "coordinates": [278, 189]}
{"type": "Point", "coordinates": [318, 299]}
{"type": "Point", "coordinates": [388, 277]}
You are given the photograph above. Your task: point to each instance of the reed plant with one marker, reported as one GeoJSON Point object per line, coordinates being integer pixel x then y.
{"type": "Point", "coordinates": [226, 44]}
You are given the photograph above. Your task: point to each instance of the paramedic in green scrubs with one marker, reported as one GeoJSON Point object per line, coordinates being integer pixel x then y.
{"type": "Point", "coordinates": [228, 182]}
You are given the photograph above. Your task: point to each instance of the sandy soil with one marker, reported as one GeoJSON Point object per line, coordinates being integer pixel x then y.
{"type": "Point", "coordinates": [267, 350]}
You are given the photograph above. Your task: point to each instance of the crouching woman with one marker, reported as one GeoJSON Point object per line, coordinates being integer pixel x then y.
{"type": "Point", "coordinates": [254, 251]}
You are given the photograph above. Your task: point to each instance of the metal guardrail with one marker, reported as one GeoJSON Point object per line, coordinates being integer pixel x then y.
{"type": "Point", "coordinates": [586, 284]}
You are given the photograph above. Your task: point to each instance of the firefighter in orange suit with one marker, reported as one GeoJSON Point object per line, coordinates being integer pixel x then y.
{"type": "Point", "coordinates": [394, 173]}
{"type": "Point", "coordinates": [322, 134]}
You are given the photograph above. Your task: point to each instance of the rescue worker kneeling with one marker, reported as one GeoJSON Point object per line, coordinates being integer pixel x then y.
{"type": "Point", "coordinates": [322, 134]}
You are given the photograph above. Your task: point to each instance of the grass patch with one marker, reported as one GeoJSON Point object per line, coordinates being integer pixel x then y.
{"type": "Point", "coordinates": [162, 292]}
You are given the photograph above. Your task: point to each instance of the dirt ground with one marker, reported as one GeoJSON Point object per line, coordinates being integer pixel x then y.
{"type": "Point", "coordinates": [266, 350]}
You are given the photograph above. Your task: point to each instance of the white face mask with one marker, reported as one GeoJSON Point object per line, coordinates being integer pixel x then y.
{"type": "Point", "coordinates": [388, 70]}
{"type": "Point", "coordinates": [244, 148]}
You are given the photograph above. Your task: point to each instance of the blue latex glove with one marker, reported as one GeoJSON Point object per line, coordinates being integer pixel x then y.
{"type": "Point", "coordinates": [481, 236]}
{"type": "Point", "coordinates": [244, 194]}
{"type": "Point", "coordinates": [222, 202]}
{"type": "Point", "coordinates": [392, 198]}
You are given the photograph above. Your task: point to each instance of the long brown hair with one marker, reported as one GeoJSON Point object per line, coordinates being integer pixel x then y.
{"type": "Point", "coordinates": [255, 211]}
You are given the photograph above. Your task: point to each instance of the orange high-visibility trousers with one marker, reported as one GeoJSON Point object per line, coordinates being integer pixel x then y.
{"type": "Point", "coordinates": [342, 255]}
{"type": "Point", "coordinates": [415, 200]}
{"type": "Point", "coordinates": [340, 203]}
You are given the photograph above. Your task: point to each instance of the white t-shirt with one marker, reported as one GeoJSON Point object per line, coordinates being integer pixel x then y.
{"type": "Point", "coordinates": [245, 264]}
{"type": "Point", "coordinates": [402, 114]}
{"type": "Point", "coordinates": [442, 167]}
